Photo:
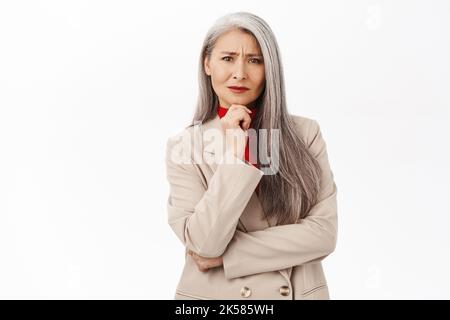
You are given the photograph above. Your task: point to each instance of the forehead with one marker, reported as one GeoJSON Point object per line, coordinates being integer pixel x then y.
{"type": "Point", "coordinates": [236, 41]}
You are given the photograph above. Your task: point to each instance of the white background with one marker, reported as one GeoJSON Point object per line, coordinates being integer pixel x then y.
{"type": "Point", "coordinates": [90, 91]}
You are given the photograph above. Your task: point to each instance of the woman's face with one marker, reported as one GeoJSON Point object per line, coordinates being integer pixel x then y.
{"type": "Point", "coordinates": [236, 60]}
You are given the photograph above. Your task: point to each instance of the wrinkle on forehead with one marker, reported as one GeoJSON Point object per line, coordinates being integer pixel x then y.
{"type": "Point", "coordinates": [248, 45]}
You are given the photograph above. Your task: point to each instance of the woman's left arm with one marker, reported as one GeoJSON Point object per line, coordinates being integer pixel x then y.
{"type": "Point", "coordinates": [280, 247]}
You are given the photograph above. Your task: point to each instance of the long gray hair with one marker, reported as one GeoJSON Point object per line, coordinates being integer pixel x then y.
{"type": "Point", "coordinates": [289, 194]}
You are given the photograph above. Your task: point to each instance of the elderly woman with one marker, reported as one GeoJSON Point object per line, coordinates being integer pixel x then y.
{"type": "Point", "coordinates": [255, 208]}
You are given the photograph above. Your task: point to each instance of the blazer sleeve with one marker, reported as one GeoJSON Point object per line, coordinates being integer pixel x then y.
{"type": "Point", "coordinates": [205, 218]}
{"type": "Point", "coordinates": [279, 247]}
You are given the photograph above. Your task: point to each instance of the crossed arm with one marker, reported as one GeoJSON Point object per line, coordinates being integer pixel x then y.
{"type": "Point", "coordinates": [205, 219]}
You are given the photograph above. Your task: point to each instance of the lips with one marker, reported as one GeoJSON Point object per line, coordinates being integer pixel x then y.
{"type": "Point", "coordinates": [238, 89]}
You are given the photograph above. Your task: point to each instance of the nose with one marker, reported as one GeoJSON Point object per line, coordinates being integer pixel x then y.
{"type": "Point", "coordinates": [239, 72]}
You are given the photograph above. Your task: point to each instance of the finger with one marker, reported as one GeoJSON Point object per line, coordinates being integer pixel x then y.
{"type": "Point", "coordinates": [202, 267]}
{"type": "Point", "coordinates": [243, 115]}
{"type": "Point", "coordinates": [247, 109]}
{"type": "Point", "coordinates": [241, 106]}
{"type": "Point", "coordinates": [246, 122]}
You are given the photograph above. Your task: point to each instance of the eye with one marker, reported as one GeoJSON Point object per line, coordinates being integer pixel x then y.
{"type": "Point", "coordinates": [258, 61]}
{"type": "Point", "coordinates": [224, 58]}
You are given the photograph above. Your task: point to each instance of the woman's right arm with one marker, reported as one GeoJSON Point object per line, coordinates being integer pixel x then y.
{"type": "Point", "coordinates": [205, 219]}
{"type": "Point", "coordinates": [279, 247]}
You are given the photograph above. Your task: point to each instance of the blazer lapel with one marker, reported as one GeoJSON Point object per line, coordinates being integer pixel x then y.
{"type": "Point", "coordinates": [211, 131]}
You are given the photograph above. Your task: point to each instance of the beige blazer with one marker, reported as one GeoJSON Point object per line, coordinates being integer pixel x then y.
{"type": "Point", "coordinates": [214, 210]}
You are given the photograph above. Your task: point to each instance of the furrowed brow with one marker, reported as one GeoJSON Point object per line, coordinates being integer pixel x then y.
{"type": "Point", "coordinates": [232, 53]}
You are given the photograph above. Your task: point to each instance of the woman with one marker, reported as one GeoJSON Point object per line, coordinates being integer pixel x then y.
{"type": "Point", "coordinates": [254, 226]}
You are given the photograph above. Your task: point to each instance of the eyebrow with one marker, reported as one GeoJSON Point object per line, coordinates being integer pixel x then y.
{"type": "Point", "coordinates": [232, 53]}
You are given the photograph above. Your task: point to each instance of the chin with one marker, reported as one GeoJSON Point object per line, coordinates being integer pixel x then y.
{"type": "Point", "coordinates": [242, 101]}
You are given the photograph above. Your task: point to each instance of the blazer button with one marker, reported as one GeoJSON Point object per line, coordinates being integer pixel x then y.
{"type": "Point", "coordinates": [246, 292]}
{"type": "Point", "coordinates": [284, 290]}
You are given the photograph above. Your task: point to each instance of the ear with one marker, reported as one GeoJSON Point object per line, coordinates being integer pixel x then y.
{"type": "Point", "coordinates": [206, 65]}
